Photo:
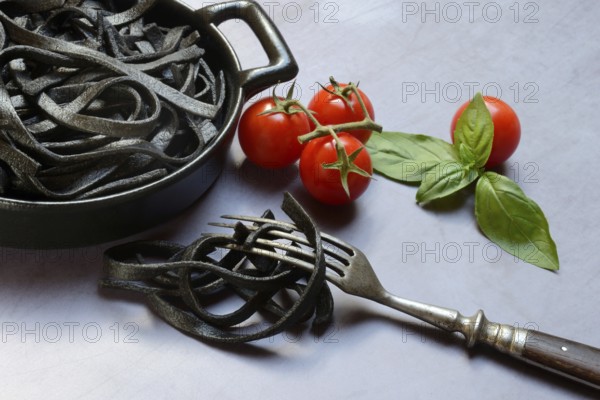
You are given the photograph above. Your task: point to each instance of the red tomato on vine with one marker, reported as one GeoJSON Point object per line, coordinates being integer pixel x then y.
{"type": "Point", "coordinates": [333, 109]}
{"type": "Point", "coordinates": [323, 173]}
{"type": "Point", "coordinates": [270, 139]}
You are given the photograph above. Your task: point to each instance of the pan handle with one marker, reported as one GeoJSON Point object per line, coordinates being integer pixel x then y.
{"type": "Point", "coordinates": [282, 65]}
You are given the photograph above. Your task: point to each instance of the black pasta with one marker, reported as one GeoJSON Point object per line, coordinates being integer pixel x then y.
{"type": "Point", "coordinates": [180, 281]}
{"type": "Point", "coordinates": [95, 101]}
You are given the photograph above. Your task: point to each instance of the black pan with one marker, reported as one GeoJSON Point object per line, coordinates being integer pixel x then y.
{"type": "Point", "coordinates": [62, 224]}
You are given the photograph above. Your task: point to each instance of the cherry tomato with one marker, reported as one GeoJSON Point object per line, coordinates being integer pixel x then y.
{"type": "Point", "coordinates": [507, 129]}
{"type": "Point", "coordinates": [271, 140]}
{"type": "Point", "coordinates": [332, 110]}
{"type": "Point", "coordinates": [325, 184]}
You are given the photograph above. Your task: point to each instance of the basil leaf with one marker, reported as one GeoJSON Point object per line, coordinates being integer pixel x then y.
{"type": "Point", "coordinates": [475, 130]}
{"type": "Point", "coordinates": [466, 155]}
{"type": "Point", "coordinates": [444, 179]}
{"type": "Point", "coordinates": [406, 157]}
{"type": "Point", "coordinates": [513, 221]}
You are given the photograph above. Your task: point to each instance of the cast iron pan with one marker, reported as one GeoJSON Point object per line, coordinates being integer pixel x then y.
{"type": "Point", "coordinates": [39, 224]}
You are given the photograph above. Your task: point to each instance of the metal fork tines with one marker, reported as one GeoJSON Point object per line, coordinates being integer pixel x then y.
{"type": "Point", "coordinates": [354, 274]}
{"type": "Point", "coordinates": [350, 270]}
{"type": "Point", "coordinates": [336, 258]}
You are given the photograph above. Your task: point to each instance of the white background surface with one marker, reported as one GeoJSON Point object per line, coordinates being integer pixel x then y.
{"type": "Point", "coordinates": [59, 332]}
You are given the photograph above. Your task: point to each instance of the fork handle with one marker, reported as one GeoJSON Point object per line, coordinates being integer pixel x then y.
{"type": "Point", "coordinates": [565, 357]}
{"type": "Point", "coordinates": [573, 360]}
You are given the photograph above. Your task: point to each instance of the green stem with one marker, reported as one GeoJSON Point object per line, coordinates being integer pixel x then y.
{"type": "Point", "coordinates": [354, 89]}
{"type": "Point", "coordinates": [309, 114]}
{"type": "Point", "coordinates": [367, 123]}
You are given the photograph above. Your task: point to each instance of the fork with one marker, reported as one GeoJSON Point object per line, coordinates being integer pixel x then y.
{"type": "Point", "coordinates": [349, 269]}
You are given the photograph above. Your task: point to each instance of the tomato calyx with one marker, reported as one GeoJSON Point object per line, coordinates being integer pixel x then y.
{"type": "Point", "coordinates": [288, 106]}
{"type": "Point", "coordinates": [345, 163]}
{"type": "Point", "coordinates": [343, 92]}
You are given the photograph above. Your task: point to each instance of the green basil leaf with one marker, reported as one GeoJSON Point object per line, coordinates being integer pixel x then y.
{"type": "Point", "coordinates": [406, 157]}
{"type": "Point", "coordinates": [513, 221]}
{"type": "Point", "coordinates": [475, 130]}
{"type": "Point", "coordinates": [444, 179]}
{"type": "Point", "coordinates": [466, 155]}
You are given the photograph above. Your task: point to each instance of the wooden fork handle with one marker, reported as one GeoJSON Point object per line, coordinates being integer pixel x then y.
{"type": "Point", "coordinates": [570, 359]}
{"type": "Point", "coordinates": [574, 360]}
{"type": "Point", "coordinates": [565, 357]}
